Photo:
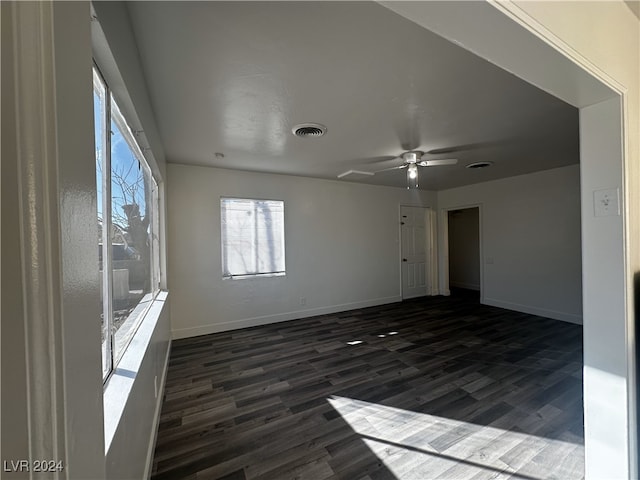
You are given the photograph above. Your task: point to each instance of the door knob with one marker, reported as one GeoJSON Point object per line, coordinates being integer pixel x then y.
{"type": "Point", "coordinates": [404, 259]}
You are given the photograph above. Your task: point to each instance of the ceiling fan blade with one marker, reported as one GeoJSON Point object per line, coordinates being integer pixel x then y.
{"type": "Point", "coordinates": [467, 147]}
{"type": "Point", "coordinates": [355, 173]}
{"type": "Point", "coordinates": [435, 163]}
{"type": "Point", "coordinates": [408, 127]}
{"type": "Point", "coordinates": [398, 167]}
{"type": "Point", "coordinates": [409, 138]}
{"type": "Point", "coordinates": [382, 159]}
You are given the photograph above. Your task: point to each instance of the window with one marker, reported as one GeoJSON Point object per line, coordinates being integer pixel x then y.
{"type": "Point", "coordinates": [252, 237]}
{"type": "Point", "coordinates": [126, 227]}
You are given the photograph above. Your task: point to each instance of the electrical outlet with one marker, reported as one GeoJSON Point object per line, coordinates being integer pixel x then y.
{"type": "Point", "coordinates": [303, 301]}
{"type": "Point", "coordinates": [606, 202]}
{"type": "Point", "coordinates": [155, 386]}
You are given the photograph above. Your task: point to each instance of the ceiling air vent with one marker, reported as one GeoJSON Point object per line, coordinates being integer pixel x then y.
{"type": "Point", "coordinates": [479, 165]}
{"type": "Point", "coordinates": [309, 130]}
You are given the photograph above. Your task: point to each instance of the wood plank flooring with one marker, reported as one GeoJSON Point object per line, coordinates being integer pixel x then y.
{"type": "Point", "coordinates": [432, 388]}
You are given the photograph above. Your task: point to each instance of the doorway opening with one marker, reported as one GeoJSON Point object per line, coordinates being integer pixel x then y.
{"type": "Point", "coordinates": [465, 277]}
{"type": "Point", "coordinates": [461, 259]}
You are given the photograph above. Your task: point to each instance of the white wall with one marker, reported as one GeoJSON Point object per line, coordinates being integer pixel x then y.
{"type": "Point", "coordinates": [52, 289]}
{"type": "Point", "coordinates": [80, 341]}
{"type": "Point", "coordinates": [604, 360]}
{"type": "Point", "coordinates": [531, 241]}
{"type": "Point", "coordinates": [464, 248]}
{"type": "Point", "coordinates": [341, 240]}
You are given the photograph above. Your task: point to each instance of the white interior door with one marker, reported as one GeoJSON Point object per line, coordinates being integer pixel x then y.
{"type": "Point", "coordinates": [413, 266]}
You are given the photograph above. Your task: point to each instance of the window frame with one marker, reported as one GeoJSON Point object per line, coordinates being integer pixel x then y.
{"type": "Point", "coordinates": [223, 244]}
{"type": "Point", "coordinates": [112, 356]}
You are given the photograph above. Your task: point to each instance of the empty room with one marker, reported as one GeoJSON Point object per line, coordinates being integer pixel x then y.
{"type": "Point", "coordinates": [354, 240]}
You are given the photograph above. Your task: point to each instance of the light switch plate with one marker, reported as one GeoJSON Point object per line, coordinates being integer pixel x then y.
{"type": "Point", "coordinates": [606, 202]}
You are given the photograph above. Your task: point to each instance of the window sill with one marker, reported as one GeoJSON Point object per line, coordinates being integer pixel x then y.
{"type": "Point", "coordinates": [128, 330]}
{"type": "Point", "coordinates": [120, 384]}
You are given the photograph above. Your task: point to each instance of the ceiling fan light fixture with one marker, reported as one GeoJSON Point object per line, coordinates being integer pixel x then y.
{"type": "Point", "coordinates": [411, 161]}
{"type": "Point", "coordinates": [412, 157]}
{"type": "Point", "coordinates": [412, 176]}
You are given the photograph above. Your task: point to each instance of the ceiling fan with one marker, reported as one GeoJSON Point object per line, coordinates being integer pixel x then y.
{"type": "Point", "coordinates": [414, 159]}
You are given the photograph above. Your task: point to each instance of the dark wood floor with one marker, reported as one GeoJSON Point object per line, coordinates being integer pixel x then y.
{"type": "Point", "coordinates": [438, 387]}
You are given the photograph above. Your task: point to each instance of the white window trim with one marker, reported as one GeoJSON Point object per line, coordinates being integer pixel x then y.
{"type": "Point", "coordinates": [139, 315]}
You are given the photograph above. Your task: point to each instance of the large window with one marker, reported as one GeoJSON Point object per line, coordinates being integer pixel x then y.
{"type": "Point", "coordinates": [252, 237]}
{"type": "Point", "coordinates": [127, 243]}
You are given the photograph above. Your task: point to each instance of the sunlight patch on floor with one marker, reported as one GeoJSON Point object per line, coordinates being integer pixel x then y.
{"type": "Point", "coordinates": [415, 445]}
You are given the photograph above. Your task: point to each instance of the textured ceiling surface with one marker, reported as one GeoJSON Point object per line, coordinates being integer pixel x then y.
{"type": "Point", "coordinates": [235, 77]}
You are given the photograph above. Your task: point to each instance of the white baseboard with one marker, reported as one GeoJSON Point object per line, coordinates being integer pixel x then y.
{"type": "Point", "coordinates": [541, 312]}
{"type": "Point", "coordinates": [156, 415]}
{"type": "Point", "coordinates": [279, 317]}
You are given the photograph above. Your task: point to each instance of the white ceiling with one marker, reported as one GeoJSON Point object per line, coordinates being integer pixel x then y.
{"type": "Point", "coordinates": [235, 77]}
